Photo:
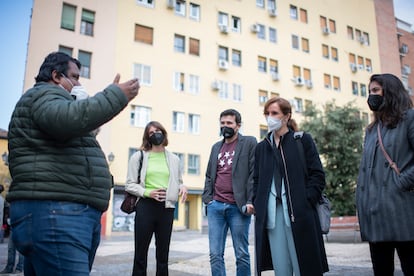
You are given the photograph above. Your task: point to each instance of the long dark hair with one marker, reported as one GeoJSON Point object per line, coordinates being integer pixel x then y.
{"type": "Point", "coordinates": [146, 144]}
{"type": "Point", "coordinates": [396, 100]}
{"type": "Point", "coordinates": [286, 109]}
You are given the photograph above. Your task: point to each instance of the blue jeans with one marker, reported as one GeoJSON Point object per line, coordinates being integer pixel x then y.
{"type": "Point", "coordinates": [56, 237]}
{"type": "Point", "coordinates": [11, 257]}
{"type": "Point", "coordinates": [222, 216]}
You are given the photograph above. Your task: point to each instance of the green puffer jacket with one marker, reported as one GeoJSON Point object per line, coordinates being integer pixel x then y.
{"type": "Point", "coordinates": [52, 153]}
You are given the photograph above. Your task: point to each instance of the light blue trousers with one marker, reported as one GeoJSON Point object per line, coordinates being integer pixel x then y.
{"type": "Point", "coordinates": [282, 246]}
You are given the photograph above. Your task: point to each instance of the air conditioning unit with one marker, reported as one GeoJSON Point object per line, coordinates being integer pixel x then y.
{"type": "Point", "coordinates": [406, 70]}
{"type": "Point", "coordinates": [272, 12]}
{"type": "Point", "coordinates": [255, 28]}
{"type": "Point", "coordinates": [362, 40]}
{"type": "Point", "coordinates": [224, 28]}
{"type": "Point", "coordinates": [326, 31]}
{"type": "Point", "coordinates": [353, 67]}
{"type": "Point", "coordinates": [308, 84]}
{"type": "Point", "coordinates": [368, 68]}
{"type": "Point", "coordinates": [298, 81]}
{"type": "Point", "coordinates": [215, 85]}
{"type": "Point", "coordinates": [170, 4]}
{"type": "Point", "coordinates": [361, 66]}
{"type": "Point", "coordinates": [404, 50]}
{"type": "Point", "coordinates": [223, 64]}
{"type": "Point", "coordinates": [275, 76]}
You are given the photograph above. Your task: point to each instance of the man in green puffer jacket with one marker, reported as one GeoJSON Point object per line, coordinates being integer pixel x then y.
{"type": "Point", "coordinates": [61, 181]}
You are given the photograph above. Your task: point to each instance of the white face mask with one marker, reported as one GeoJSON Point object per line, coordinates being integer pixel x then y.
{"type": "Point", "coordinates": [273, 124]}
{"type": "Point", "coordinates": [79, 92]}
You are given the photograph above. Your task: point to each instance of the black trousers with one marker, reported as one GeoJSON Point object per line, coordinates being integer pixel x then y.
{"type": "Point", "coordinates": [382, 256]}
{"type": "Point", "coordinates": [151, 217]}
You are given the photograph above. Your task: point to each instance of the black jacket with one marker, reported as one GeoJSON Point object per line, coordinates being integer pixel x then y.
{"type": "Point", "coordinates": [302, 199]}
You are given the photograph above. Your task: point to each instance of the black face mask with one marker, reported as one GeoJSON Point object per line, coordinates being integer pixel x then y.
{"type": "Point", "coordinates": [227, 132]}
{"type": "Point", "coordinates": [375, 101]}
{"type": "Point", "coordinates": [157, 138]}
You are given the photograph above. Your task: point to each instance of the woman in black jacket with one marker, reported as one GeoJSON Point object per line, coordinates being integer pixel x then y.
{"type": "Point", "coordinates": [288, 234]}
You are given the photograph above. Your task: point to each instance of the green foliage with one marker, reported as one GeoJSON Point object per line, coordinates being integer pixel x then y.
{"type": "Point", "coordinates": [338, 133]}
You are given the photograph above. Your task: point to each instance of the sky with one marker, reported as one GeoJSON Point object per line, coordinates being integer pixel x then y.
{"type": "Point", "coordinates": [14, 30]}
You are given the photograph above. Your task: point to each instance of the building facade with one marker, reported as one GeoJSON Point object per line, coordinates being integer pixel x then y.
{"type": "Point", "coordinates": [197, 58]}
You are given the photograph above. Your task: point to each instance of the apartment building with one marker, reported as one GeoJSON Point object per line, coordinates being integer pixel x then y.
{"type": "Point", "coordinates": [196, 58]}
{"type": "Point", "coordinates": [405, 36]}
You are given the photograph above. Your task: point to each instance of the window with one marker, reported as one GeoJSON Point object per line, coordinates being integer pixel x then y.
{"type": "Point", "coordinates": [274, 95]}
{"type": "Point", "coordinates": [307, 77]}
{"type": "Point", "coordinates": [365, 38]}
{"type": "Point", "coordinates": [194, 47]}
{"type": "Point", "coordinates": [350, 32]}
{"type": "Point", "coordinates": [180, 7]}
{"type": "Point", "coordinates": [363, 90]}
{"type": "Point", "coordinates": [263, 131]}
{"type": "Point", "coordinates": [262, 97]}
{"type": "Point", "coordinates": [327, 81]}
{"type": "Point", "coordinates": [303, 16]}
{"type": "Point", "coordinates": [273, 66]}
{"type": "Point", "coordinates": [140, 115]}
{"type": "Point", "coordinates": [181, 157]}
{"type": "Point", "coordinates": [236, 58]}
{"type": "Point", "coordinates": [272, 35]}
{"type": "Point", "coordinates": [178, 121]}
{"type": "Point", "coordinates": [271, 5]}
{"type": "Point", "coordinates": [194, 124]}
{"type": "Point", "coordinates": [336, 84]}
{"type": "Point", "coordinates": [355, 88]}
{"type": "Point", "coordinates": [308, 104]}
{"type": "Point", "coordinates": [223, 19]}
{"type": "Point", "coordinates": [352, 59]}
{"type": "Point", "coordinates": [305, 45]}
{"type": "Point", "coordinates": [368, 65]}
{"type": "Point", "coordinates": [144, 34]}
{"type": "Point", "coordinates": [224, 90]}
{"type": "Point", "coordinates": [237, 92]}
{"type": "Point", "coordinates": [85, 59]}
{"type": "Point", "coordinates": [295, 42]}
{"type": "Point", "coordinates": [236, 24]}
{"type": "Point", "coordinates": [179, 81]}
{"type": "Point", "coordinates": [87, 22]}
{"type": "Point", "coordinates": [68, 17]}
{"type": "Point", "coordinates": [66, 50]}
{"type": "Point", "coordinates": [298, 105]}
{"type": "Point", "coordinates": [357, 34]}
{"type": "Point", "coordinates": [296, 71]}
{"type": "Point", "coordinates": [193, 164]}
{"type": "Point", "coordinates": [334, 53]}
{"type": "Point", "coordinates": [293, 12]}
{"type": "Point", "coordinates": [223, 53]}
{"type": "Point", "coordinates": [179, 43]}
{"type": "Point", "coordinates": [332, 26]}
{"type": "Point", "coordinates": [194, 86]}
{"type": "Point", "coordinates": [149, 3]}
{"type": "Point", "coordinates": [143, 73]}
{"type": "Point", "coordinates": [323, 22]}
{"type": "Point", "coordinates": [261, 64]}
{"type": "Point", "coordinates": [325, 51]}
{"type": "Point", "coordinates": [262, 31]}
{"type": "Point", "coordinates": [360, 63]}
{"type": "Point", "coordinates": [194, 12]}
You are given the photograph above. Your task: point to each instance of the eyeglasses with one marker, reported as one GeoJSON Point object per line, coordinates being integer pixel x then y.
{"type": "Point", "coordinates": [66, 78]}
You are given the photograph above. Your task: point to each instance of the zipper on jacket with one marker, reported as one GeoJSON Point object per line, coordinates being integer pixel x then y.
{"type": "Point", "coordinates": [292, 216]}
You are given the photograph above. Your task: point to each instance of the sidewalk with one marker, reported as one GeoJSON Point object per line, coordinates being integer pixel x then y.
{"type": "Point", "coordinates": [189, 255]}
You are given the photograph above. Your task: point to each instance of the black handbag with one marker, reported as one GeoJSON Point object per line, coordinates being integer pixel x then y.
{"type": "Point", "coordinates": [128, 204]}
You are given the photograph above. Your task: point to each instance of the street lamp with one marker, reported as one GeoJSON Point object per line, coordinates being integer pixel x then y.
{"type": "Point", "coordinates": [111, 157]}
{"type": "Point", "coordinates": [5, 158]}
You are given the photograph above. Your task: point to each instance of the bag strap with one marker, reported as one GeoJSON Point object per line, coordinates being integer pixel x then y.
{"type": "Point", "coordinates": [393, 165]}
{"type": "Point", "coordinates": [298, 137]}
{"type": "Point", "coordinates": [140, 166]}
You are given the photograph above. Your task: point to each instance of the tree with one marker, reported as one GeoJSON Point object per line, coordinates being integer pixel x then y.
{"type": "Point", "coordinates": [338, 135]}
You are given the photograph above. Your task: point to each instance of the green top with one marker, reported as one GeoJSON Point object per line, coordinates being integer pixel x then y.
{"type": "Point", "coordinates": [157, 173]}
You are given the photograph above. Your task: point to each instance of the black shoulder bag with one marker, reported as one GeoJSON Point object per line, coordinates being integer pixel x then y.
{"type": "Point", "coordinates": [128, 204]}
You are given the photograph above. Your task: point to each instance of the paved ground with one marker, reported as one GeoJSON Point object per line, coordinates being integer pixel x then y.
{"type": "Point", "coordinates": [347, 256]}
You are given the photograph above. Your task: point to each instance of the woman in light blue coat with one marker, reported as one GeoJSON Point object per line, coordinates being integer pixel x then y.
{"type": "Point", "coordinates": [385, 188]}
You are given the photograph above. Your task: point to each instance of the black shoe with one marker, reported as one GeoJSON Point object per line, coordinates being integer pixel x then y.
{"type": "Point", "coordinates": [17, 271]}
{"type": "Point", "coordinates": [6, 271]}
